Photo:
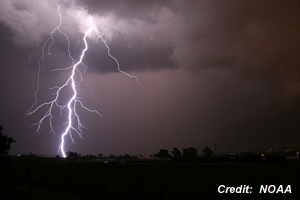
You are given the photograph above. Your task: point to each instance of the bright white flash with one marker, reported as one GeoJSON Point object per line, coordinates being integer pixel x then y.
{"type": "Point", "coordinates": [70, 82]}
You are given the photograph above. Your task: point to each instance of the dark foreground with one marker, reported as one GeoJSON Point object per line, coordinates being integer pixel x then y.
{"type": "Point", "coordinates": [54, 178]}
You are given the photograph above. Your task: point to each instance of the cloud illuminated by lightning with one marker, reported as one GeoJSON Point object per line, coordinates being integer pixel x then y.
{"type": "Point", "coordinates": [74, 100]}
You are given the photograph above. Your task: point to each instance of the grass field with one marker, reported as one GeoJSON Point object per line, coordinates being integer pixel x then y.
{"type": "Point", "coordinates": [54, 178]}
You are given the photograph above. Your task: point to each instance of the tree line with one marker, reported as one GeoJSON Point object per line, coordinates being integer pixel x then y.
{"type": "Point", "coordinates": [187, 154]}
{"type": "Point", "coordinates": [5, 142]}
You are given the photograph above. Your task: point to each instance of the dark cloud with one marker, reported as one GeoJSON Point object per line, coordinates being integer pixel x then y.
{"type": "Point", "coordinates": [257, 39]}
{"type": "Point", "coordinates": [126, 10]}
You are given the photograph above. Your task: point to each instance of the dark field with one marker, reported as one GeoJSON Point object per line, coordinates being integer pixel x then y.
{"type": "Point", "coordinates": [53, 178]}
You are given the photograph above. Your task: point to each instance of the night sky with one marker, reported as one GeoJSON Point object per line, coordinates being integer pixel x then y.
{"type": "Point", "coordinates": [212, 72]}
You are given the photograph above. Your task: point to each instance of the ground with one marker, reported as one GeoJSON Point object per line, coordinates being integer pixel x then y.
{"type": "Point", "coordinates": [58, 178]}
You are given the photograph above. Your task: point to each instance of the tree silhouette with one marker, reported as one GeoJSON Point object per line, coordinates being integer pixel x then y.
{"type": "Point", "coordinates": [176, 153]}
{"type": "Point", "coordinates": [112, 156]}
{"type": "Point", "coordinates": [189, 153]}
{"type": "Point", "coordinates": [71, 154]}
{"type": "Point", "coordinates": [207, 152]}
{"type": "Point", "coordinates": [163, 153]}
{"type": "Point", "coordinates": [5, 142]}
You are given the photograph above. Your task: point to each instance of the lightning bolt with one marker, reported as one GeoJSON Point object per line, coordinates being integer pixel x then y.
{"type": "Point", "coordinates": [74, 100]}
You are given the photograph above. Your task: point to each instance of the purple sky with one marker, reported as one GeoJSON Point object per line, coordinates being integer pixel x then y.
{"type": "Point", "coordinates": [225, 72]}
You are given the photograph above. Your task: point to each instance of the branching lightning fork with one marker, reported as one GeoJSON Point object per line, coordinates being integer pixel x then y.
{"type": "Point", "coordinates": [70, 82]}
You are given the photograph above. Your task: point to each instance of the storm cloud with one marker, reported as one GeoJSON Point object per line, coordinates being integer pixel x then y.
{"type": "Point", "coordinates": [211, 71]}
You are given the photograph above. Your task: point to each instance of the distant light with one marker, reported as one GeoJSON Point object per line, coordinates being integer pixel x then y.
{"type": "Point", "coordinates": [19, 155]}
